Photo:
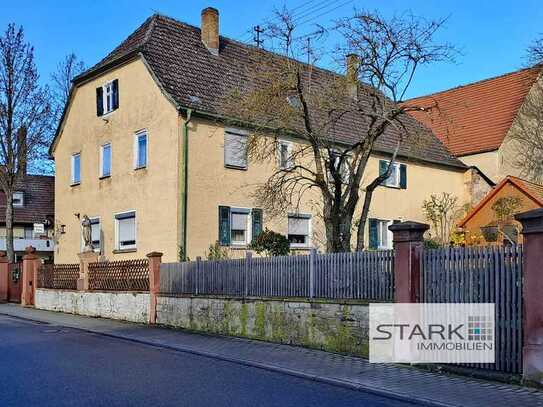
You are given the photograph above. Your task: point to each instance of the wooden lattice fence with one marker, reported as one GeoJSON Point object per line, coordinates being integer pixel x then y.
{"type": "Point", "coordinates": [58, 276]}
{"type": "Point", "coordinates": [124, 275]}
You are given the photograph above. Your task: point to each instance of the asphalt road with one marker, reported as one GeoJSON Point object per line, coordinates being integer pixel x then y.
{"type": "Point", "coordinates": [44, 365]}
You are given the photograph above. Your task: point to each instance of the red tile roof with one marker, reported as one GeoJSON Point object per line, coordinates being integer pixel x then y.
{"type": "Point", "coordinates": [475, 118]}
{"type": "Point", "coordinates": [39, 200]}
{"type": "Point", "coordinates": [532, 190]}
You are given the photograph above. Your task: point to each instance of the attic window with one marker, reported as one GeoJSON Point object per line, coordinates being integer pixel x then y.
{"type": "Point", "coordinates": [294, 101]}
{"type": "Point", "coordinates": [194, 99]}
{"type": "Point", "coordinates": [18, 199]}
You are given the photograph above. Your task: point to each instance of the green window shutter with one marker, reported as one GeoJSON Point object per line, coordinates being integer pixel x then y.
{"type": "Point", "coordinates": [115, 94]}
{"type": "Point", "coordinates": [257, 222]}
{"type": "Point", "coordinates": [373, 241]}
{"type": "Point", "coordinates": [224, 225]}
{"type": "Point", "coordinates": [99, 101]}
{"type": "Point", "coordinates": [403, 176]}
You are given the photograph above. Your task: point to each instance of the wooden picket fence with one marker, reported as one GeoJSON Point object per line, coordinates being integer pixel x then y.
{"type": "Point", "coordinates": [482, 275]}
{"type": "Point", "coordinates": [360, 275]}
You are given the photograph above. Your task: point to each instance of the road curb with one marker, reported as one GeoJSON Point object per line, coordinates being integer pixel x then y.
{"type": "Point", "coordinates": [264, 366]}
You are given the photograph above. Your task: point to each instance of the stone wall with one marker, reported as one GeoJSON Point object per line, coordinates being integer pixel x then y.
{"type": "Point", "coordinates": [127, 306]}
{"type": "Point", "coordinates": [336, 327]}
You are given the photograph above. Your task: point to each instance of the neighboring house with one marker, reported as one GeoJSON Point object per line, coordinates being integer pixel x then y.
{"type": "Point", "coordinates": [527, 195]}
{"type": "Point", "coordinates": [151, 114]}
{"type": "Point", "coordinates": [33, 213]}
{"type": "Point", "coordinates": [477, 121]}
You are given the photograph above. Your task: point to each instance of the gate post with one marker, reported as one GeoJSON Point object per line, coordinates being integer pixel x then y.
{"type": "Point", "coordinates": [532, 287]}
{"type": "Point", "coordinates": [408, 250]}
{"type": "Point", "coordinates": [4, 277]}
{"type": "Point", "coordinates": [31, 264]}
{"type": "Point", "coordinates": [155, 258]}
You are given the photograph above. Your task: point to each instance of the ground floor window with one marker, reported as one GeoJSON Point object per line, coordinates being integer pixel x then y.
{"type": "Point", "coordinates": [379, 235]}
{"type": "Point", "coordinates": [125, 225]}
{"type": "Point", "coordinates": [239, 229]}
{"type": "Point", "coordinates": [299, 226]}
{"type": "Point", "coordinates": [95, 233]}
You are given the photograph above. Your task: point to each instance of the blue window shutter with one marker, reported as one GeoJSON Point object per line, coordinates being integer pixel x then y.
{"type": "Point", "coordinates": [257, 222]}
{"type": "Point", "coordinates": [115, 94]}
{"type": "Point", "coordinates": [224, 225]}
{"type": "Point", "coordinates": [99, 101]}
{"type": "Point", "coordinates": [373, 240]}
{"type": "Point", "coordinates": [403, 176]}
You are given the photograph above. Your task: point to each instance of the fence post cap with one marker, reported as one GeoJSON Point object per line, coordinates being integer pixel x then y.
{"type": "Point", "coordinates": [30, 253]}
{"type": "Point", "coordinates": [408, 231]}
{"type": "Point", "coordinates": [3, 257]}
{"type": "Point", "coordinates": [532, 221]}
{"type": "Point", "coordinates": [154, 254]}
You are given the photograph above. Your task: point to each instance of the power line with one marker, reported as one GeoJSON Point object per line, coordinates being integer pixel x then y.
{"type": "Point", "coordinates": [324, 13]}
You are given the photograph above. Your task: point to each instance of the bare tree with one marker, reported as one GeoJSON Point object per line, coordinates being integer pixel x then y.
{"type": "Point", "coordinates": [441, 211]}
{"type": "Point", "coordinates": [290, 98]}
{"type": "Point", "coordinates": [61, 80]}
{"type": "Point", "coordinates": [535, 52]}
{"type": "Point", "coordinates": [24, 118]}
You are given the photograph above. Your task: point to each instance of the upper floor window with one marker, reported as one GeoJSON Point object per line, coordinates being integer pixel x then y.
{"type": "Point", "coordinates": [235, 150]}
{"type": "Point", "coordinates": [107, 97]}
{"type": "Point", "coordinates": [398, 174]}
{"type": "Point", "coordinates": [105, 160]}
{"type": "Point", "coordinates": [140, 150]}
{"type": "Point", "coordinates": [299, 226]}
{"type": "Point", "coordinates": [125, 225]}
{"type": "Point", "coordinates": [18, 199]}
{"type": "Point", "coordinates": [76, 168]}
{"type": "Point", "coordinates": [285, 155]}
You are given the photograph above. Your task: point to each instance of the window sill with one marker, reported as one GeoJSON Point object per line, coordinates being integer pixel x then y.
{"type": "Point", "coordinates": [106, 115]}
{"type": "Point", "coordinates": [75, 184]}
{"type": "Point", "coordinates": [239, 247]}
{"type": "Point", "coordinates": [301, 247]}
{"type": "Point", "coordinates": [104, 177]}
{"type": "Point", "coordinates": [121, 251]}
{"type": "Point", "coordinates": [143, 167]}
{"type": "Point", "coordinates": [393, 186]}
{"type": "Point", "coordinates": [235, 167]}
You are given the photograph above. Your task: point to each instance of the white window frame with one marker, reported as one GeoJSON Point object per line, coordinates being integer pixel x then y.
{"type": "Point", "coordinates": [22, 199]}
{"type": "Point", "coordinates": [107, 97]}
{"type": "Point", "coordinates": [137, 135]}
{"type": "Point", "coordinates": [248, 226]}
{"type": "Point", "coordinates": [117, 241]}
{"type": "Point", "coordinates": [102, 148]}
{"type": "Point", "coordinates": [309, 232]}
{"type": "Point", "coordinates": [388, 244]}
{"type": "Point", "coordinates": [97, 218]}
{"type": "Point", "coordinates": [394, 179]}
{"type": "Point", "coordinates": [73, 180]}
{"type": "Point", "coordinates": [290, 162]}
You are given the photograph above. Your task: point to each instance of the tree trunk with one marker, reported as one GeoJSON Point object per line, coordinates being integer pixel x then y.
{"type": "Point", "coordinates": [338, 230]}
{"type": "Point", "coordinates": [9, 227]}
{"type": "Point", "coordinates": [360, 233]}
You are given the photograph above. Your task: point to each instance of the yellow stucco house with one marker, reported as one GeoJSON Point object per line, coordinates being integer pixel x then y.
{"type": "Point", "coordinates": [144, 150]}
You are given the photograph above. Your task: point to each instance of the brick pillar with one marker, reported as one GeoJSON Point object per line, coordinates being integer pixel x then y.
{"type": "Point", "coordinates": [84, 259]}
{"type": "Point", "coordinates": [31, 264]}
{"type": "Point", "coordinates": [408, 246]}
{"type": "Point", "coordinates": [532, 289]}
{"type": "Point", "coordinates": [4, 277]}
{"type": "Point", "coordinates": [155, 258]}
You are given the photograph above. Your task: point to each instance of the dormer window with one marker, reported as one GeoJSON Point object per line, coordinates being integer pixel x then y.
{"type": "Point", "coordinates": [18, 199]}
{"type": "Point", "coordinates": [107, 97]}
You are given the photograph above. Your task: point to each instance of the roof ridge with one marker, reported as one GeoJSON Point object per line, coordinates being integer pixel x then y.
{"type": "Point", "coordinates": [480, 81]}
{"type": "Point", "coordinates": [525, 180]}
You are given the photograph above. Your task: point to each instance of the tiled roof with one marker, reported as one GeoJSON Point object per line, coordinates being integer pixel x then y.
{"type": "Point", "coordinates": [531, 190]}
{"type": "Point", "coordinates": [39, 200]}
{"type": "Point", "coordinates": [196, 79]}
{"type": "Point", "coordinates": [475, 118]}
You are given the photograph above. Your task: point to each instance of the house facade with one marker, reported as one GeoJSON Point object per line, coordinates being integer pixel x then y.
{"type": "Point", "coordinates": [33, 217]}
{"type": "Point", "coordinates": [478, 122]}
{"type": "Point", "coordinates": [145, 150]}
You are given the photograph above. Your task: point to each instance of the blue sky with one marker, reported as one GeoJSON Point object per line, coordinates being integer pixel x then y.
{"type": "Point", "coordinates": [492, 35]}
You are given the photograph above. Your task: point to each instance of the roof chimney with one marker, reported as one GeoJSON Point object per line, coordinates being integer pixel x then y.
{"type": "Point", "coordinates": [353, 64]}
{"type": "Point", "coordinates": [210, 29]}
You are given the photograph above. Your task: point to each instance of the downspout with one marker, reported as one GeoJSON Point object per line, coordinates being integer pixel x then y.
{"type": "Point", "coordinates": [185, 176]}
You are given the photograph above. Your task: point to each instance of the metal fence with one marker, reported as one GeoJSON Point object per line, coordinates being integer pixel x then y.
{"type": "Point", "coordinates": [125, 275]}
{"type": "Point", "coordinates": [359, 275]}
{"type": "Point", "coordinates": [482, 275]}
{"type": "Point", "coordinates": [58, 276]}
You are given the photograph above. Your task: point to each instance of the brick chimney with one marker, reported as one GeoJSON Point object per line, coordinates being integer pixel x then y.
{"type": "Point", "coordinates": [353, 64]}
{"type": "Point", "coordinates": [210, 29]}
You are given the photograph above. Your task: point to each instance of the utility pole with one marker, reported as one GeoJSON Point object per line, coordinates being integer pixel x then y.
{"type": "Point", "coordinates": [256, 37]}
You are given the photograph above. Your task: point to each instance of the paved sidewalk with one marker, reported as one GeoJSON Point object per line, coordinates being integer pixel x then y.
{"type": "Point", "coordinates": [388, 380]}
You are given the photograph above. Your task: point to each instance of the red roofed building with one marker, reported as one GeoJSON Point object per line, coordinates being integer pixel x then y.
{"type": "Point", "coordinates": [474, 121]}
